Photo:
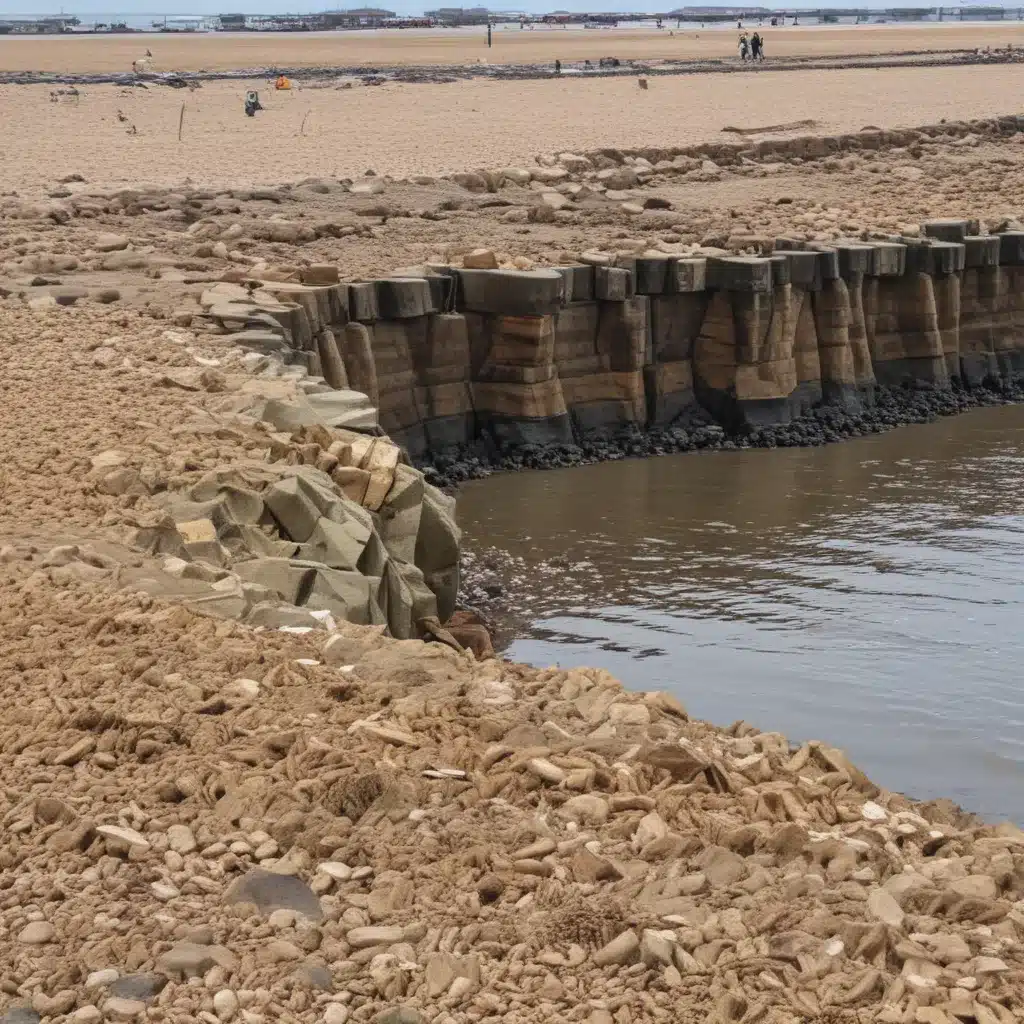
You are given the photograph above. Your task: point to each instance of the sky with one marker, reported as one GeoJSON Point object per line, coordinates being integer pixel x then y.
{"type": "Point", "coordinates": [169, 7]}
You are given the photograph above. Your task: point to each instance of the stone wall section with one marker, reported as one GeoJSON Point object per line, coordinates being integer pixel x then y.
{"type": "Point", "coordinates": [451, 356]}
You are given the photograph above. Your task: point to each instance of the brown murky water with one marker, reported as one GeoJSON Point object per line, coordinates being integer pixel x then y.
{"type": "Point", "coordinates": [867, 593]}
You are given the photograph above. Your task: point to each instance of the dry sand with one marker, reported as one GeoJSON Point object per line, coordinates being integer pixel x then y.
{"type": "Point", "coordinates": [218, 51]}
{"type": "Point", "coordinates": [403, 130]}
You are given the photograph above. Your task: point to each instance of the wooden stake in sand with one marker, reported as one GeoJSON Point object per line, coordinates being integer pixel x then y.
{"type": "Point", "coordinates": [181, 121]}
{"type": "Point", "coordinates": [302, 127]}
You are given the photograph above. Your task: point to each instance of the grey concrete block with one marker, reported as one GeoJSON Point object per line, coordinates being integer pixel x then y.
{"type": "Point", "coordinates": [613, 284]}
{"type": "Point", "coordinates": [579, 282]}
{"type": "Point", "coordinates": [1011, 248]}
{"type": "Point", "coordinates": [651, 274]}
{"type": "Point", "coordinates": [828, 262]}
{"type": "Point", "coordinates": [687, 275]}
{"type": "Point", "coordinates": [888, 259]}
{"type": "Point", "coordinates": [740, 273]}
{"type": "Point", "coordinates": [981, 251]}
{"type": "Point", "coordinates": [854, 259]}
{"type": "Point", "coordinates": [781, 270]}
{"type": "Point", "coordinates": [512, 292]}
{"type": "Point", "coordinates": [933, 257]}
{"type": "Point", "coordinates": [804, 267]}
{"type": "Point", "coordinates": [945, 230]}
{"type": "Point", "coordinates": [401, 298]}
{"type": "Point", "coordinates": [362, 301]}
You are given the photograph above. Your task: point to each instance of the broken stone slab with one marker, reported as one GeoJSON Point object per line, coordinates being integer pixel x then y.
{"type": "Point", "coordinates": [739, 273]}
{"type": "Point", "coordinates": [268, 892]}
{"type": "Point", "coordinates": [142, 987]}
{"type": "Point", "coordinates": [512, 292]}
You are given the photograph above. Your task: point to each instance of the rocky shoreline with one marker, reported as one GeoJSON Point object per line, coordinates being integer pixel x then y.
{"type": "Point", "coordinates": [891, 408]}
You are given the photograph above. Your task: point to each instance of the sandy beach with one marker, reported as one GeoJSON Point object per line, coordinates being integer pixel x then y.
{"type": "Point", "coordinates": [217, 51]}
{"type": "Point", "coordinates": [403, 130]}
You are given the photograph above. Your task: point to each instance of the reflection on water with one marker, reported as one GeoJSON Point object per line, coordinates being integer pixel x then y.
{"type": "Point", "coordinates": [867, 593]}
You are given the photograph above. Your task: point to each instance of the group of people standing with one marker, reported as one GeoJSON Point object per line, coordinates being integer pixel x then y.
{"type": "Point", "coordinates": [752, 48]}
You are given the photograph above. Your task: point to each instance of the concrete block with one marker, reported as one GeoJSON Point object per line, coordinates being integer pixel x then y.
{"type": "Point", "coordinates": [675, 324]}
{"type": "Point", "coordinates": [934, 257]}
{"type": "Point", "coordinates": [613, 284]}
{"type": "Point", "coordinates": [362, 301]}
{"type": "Point", "coordinates": [781, 269]}
{"type": "Point", "coordinates": [651, 274]}
{"type": "Point", "coordinates": [853, 259]}
{"type": "Point", "coordinates": [888, 259]}
{"type": "Point", "coordinates": [1011, 248]}
{"type": "Point", "coordinates": [981, 251]}
{"type": "Point", "coordinates": [828, 262]}
{"type": "Point", "coordinates": [512, 292]}
{"type": "Point", "coordinates": [945, 230]}
{"type": "Point", "coordinates": [687, 275]}
{"type": "Point", "coordinates": [739, 273]}
{"type": "Point", "coordinates": [804, 268]}
{"type": "Point", "coordinates": [579, 282]}
{"type": "Point", "coordinates": [400, 298]}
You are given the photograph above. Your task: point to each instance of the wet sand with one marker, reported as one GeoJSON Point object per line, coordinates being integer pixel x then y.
{"type": "Point", "coordinates": [225, 51]}
{"type": "Point", "coordinates": [404, 130]}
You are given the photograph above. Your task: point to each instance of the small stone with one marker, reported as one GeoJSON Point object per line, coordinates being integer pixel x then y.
{"type": "Point", "coordinates": [121, 834]}
{"type": "Point", "coordinates": [87, 1014]}
{"type": "Point", "coordinates": [37, 933]}
{"type": "Point", "coordinates": [874, 812]}
{"type": "Point", "coordinates": [123, 1009]}
{"type": "Point", "coordinates": [989, 965]}
{"type": "Point", "coordinates": [108, 242]}
{"type": "Point", "coordinates": [141, 987]}
{"type": "Point", "coordinates": [884, 908]}
{"type": "Point", "coordinates": [335, 869]}
{"type": "Point", "coordinates": [280, 951]}
{"type": "Point", "coordinates": [545, 771]}
{"type": "Point", "coordinates": [270, 892]}
{"type": "Point", "coordinates": [980, 887]}
{"type": "Point", "coordinates": [623, 949]}
{"type": "Point", "coordinates": [480, 259]}
{"type": "Point", "coordinates": [100, 979]}
{"type": "Point", "coordinates": [180, 839]}
{"type": "Point", "coordinates": [400, 1015]}
{"type": "Point", "coordinates": [225, 1004]}
{"type": "Point", "coordinates": [363, 938]}
{"type": "Point", "coordinates": [336, 1013]}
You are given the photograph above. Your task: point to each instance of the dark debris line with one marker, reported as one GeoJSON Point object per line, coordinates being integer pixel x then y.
{"type": "Point", "coordinates": [380, 73]}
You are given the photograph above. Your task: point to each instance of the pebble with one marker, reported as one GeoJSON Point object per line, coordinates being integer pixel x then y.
{"type": "Point", "coordinates": [37, 933]}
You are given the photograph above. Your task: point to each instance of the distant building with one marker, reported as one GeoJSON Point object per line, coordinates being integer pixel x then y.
{"type": "Point", "coordinates": [360, 17]}
{"type": "Point", "coordinates": [460, 15]}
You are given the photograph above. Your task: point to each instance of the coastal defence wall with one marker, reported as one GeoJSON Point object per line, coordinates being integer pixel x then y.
{"type": "Point", "coordinates": [566, 354]}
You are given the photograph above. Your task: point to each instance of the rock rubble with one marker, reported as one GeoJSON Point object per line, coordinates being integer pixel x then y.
{"type": "Point", "coordinates": [421, 836]}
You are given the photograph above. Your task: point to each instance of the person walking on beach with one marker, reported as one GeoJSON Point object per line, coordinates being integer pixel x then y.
{"type": "Point", "coordinates": [756, 47]}
{"type": "Point", "coordinates": [743, 46]}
